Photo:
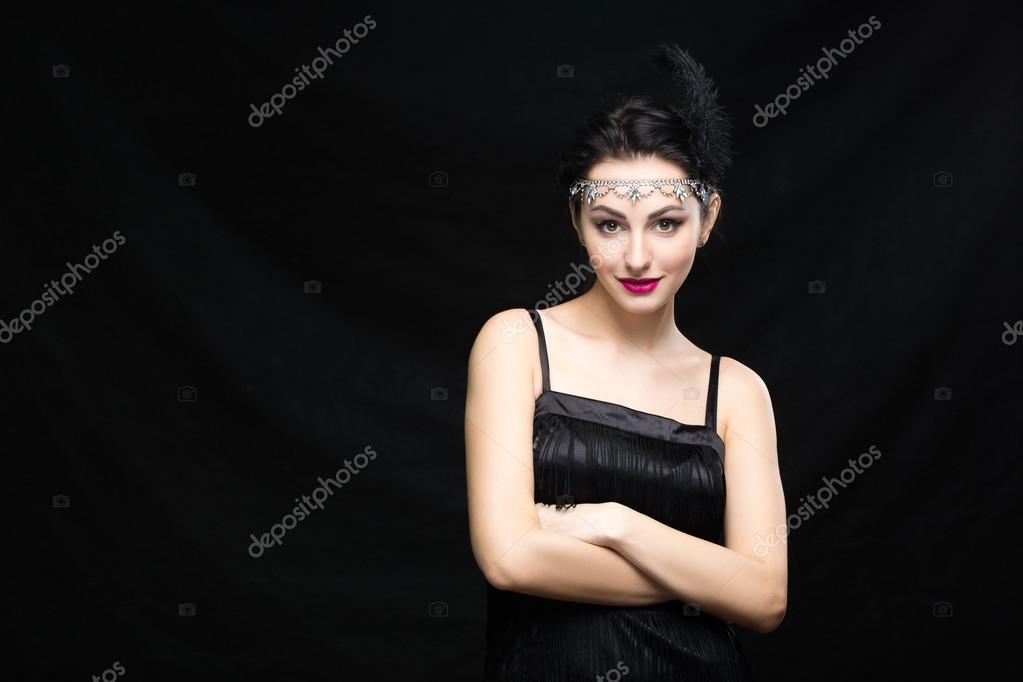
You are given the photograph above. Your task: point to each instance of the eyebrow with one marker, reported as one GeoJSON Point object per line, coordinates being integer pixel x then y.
{"type": "Point", "coordinates": [655, 214]}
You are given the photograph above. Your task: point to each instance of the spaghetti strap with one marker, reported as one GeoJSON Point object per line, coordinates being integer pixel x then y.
{"type": "Point", "coordinates": [542, 342]}
{"type": "Point", "coordinates": [712, 393]}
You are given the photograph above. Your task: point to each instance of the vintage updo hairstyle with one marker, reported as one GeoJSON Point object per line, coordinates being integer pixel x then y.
{"type": "Point", "coordinates": [690, 129]}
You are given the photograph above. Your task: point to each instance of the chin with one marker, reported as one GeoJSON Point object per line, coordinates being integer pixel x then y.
{"type": "Point", "coordinates": [644, 303]}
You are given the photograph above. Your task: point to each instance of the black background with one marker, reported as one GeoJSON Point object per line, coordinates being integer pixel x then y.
{"type": "Point", "coordinates": [207, 291]}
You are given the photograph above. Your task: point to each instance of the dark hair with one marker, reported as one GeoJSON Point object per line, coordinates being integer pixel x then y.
{"type": "Point", "coordinates": [692, 134]}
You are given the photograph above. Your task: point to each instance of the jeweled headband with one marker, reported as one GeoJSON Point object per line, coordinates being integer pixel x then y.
{"type": "Point", "coordinates": [639, 189]}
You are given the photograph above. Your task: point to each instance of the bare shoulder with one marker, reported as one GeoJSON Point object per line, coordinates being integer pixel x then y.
{"type": "Point", "coordinates": [739, 377]}
{"type": "Point", "coordinates": [505, 345]}
{"type": "Point", "coordinates": [510, 328]}
{"type": "Point", "coordinates": [742, 394]}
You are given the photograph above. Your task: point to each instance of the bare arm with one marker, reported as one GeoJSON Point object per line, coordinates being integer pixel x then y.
{"type": "Point", "coordinates": [561, 567]}
{"type": "Point", "coordinates": [509, 545]}
{"type": "Point", "coordinates": [744, 581]}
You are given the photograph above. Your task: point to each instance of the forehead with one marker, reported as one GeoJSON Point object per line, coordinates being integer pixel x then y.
{"type": "Point", "coordinates": [645, 168]}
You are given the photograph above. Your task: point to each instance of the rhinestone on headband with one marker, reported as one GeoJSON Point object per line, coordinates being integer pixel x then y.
{"type": "Point", "coordinates": [638, 189]}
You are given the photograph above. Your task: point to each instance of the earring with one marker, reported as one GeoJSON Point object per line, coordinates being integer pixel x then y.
{"type": "Point", "coordinates": [700, 243]}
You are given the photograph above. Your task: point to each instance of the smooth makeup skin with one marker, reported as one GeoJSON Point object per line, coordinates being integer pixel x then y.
{"type": "Point", "coordinates": [653, 238]}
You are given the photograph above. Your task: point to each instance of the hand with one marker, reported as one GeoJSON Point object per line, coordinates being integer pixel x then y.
{"type": "Point", "coordinates": [597, 524]}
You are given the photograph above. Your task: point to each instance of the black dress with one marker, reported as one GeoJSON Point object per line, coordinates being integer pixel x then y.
{"type": "Point", "coordinates": [596, 451]}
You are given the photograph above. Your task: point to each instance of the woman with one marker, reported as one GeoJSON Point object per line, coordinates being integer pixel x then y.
{"type": "Point", "coordinates": [599, 439]}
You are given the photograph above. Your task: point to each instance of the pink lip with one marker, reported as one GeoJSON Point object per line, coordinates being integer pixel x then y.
{"type": "Point", "coordinates": [639, 286]}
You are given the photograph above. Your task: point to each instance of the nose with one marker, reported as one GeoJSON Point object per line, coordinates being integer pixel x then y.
{"type": "Point", "coordinates": [637, 252]}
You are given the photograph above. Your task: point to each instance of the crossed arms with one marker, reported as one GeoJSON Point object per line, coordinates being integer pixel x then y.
{"type": "Point", "coordinates": [608, 553]}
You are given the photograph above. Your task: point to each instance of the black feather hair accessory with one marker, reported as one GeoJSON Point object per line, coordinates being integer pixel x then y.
{"type": "Point", "coordinates": [695, 102]}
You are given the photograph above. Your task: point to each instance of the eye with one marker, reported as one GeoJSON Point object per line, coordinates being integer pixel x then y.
{"type": "Point", "coordinates": [672, 224]}
{"type": "Point", "coordinates": [600, 226]}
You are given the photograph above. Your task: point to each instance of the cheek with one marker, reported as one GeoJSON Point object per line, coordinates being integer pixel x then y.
{"type": "Point", "coordinates": [675, 260]}
{"type": "Point", "coordinates": [605, 256]}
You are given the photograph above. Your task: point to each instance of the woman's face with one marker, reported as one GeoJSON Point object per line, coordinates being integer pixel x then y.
{"type": "Point", "coordinates": [630, 245]}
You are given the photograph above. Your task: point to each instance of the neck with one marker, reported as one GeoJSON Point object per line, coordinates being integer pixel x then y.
{"type": "Point", "coordinates": [632, 330]}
